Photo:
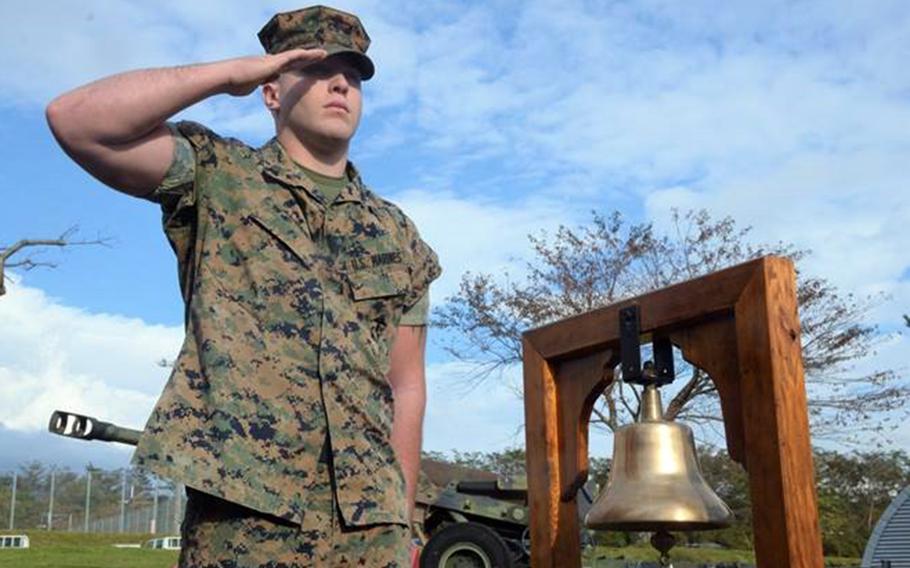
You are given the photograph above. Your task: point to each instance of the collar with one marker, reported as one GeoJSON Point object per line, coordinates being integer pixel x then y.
{"type": "Point", "coordinates": [278, 165]}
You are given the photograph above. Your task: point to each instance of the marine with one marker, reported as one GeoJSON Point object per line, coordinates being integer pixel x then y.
{"type": "Point", "coordinates": [294, 410]}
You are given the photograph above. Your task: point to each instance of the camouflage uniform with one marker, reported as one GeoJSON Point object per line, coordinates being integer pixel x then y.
{"type": "Point", "coordinates": [279, 403]}
{"type": "Point", "coordinates": [217, 533]}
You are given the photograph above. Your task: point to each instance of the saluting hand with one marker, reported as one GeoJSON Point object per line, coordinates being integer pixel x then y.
{"type": "Point", "coordinates": [247, 73]}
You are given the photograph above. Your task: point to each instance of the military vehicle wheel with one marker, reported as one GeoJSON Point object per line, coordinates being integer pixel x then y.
{"type": "Point", "coordinates": [465, 545]}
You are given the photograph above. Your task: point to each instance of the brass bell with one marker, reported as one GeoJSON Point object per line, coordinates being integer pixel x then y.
{"type": "Point", "coordinates": [655, 482]}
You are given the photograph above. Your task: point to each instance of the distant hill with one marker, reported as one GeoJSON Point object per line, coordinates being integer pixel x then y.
{"type": "Point", "coordinates": [21, 447]}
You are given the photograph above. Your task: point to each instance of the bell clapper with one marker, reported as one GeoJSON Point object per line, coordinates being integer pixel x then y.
{"type": "Point", "coordinates": [663, 542]}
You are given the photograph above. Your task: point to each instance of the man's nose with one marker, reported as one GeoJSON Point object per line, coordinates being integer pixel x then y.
{"type": "Point", "coordinates": [339, 84]}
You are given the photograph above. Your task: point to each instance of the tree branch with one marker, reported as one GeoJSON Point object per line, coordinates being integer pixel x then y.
{"type": "Point", "coordinates": [29, 263]}
{"type": "Point", "coordinates": [580, 269]}
{"type": "Point", "coordinates": [684, 395]}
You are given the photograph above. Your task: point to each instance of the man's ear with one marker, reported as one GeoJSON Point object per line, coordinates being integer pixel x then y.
{"type": "Point", "coordinates": [271, 96]}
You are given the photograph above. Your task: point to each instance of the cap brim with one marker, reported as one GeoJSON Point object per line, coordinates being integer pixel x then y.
{"type": "Point", "coordinates": [361, 61]}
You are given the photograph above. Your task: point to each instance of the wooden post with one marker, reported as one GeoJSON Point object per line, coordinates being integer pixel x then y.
{"type": "Point", "coordinates": [542, 454]}
{"type": "Point", "coordinates": [776, 423]}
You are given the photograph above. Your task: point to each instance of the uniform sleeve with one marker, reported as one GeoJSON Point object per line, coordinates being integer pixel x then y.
{"type": "Point", "coordinates": [419, 313]}
{"type": "Point", "coordinates": [423, 265]}
{"type": "Point", "coordinates": [178, 181]}
{"type": "Point", "coordinates": [178, 193]}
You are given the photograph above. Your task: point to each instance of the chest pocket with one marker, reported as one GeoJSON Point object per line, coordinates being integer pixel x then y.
{"type": "Point", "coordinates": [378, 295]}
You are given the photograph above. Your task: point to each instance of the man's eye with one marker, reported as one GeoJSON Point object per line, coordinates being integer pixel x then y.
{"type": "Point", "coordinates": [324, 72]}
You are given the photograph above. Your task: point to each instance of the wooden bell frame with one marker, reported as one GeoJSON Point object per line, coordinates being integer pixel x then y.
{"type": "Point", "coordinates": [741, 326]}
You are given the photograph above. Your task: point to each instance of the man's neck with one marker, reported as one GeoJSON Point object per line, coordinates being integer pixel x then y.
{"type": "Point", "coordinates": [328, 160]}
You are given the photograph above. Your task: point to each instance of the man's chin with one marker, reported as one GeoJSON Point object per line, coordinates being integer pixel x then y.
{"type": "Point", "coordinates": [342, 136]}
{"type": "Point", "coordinates": [327, 137]}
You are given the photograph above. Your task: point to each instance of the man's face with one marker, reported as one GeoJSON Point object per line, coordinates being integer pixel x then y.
{"type": "Point", "coordinates": [321, 103]}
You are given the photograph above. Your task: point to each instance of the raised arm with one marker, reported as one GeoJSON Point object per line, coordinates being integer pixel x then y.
{"type": "Point", "coordinates": [114, 127]}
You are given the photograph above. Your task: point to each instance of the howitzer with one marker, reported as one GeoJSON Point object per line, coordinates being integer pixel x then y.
{"type": "Point", "coordinates": [82, 427]}
{"type": "Point", "coordinates": [466, 517]}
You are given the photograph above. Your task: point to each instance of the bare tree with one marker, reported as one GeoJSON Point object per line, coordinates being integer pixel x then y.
{"type": "Point", "coordinates": [28, 251]}
{"type": "Point", "coordinates": [577, 270]}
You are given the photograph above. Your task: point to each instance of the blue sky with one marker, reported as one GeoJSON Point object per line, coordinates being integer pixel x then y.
{"type": "Point", "coordinates": [485, 122]}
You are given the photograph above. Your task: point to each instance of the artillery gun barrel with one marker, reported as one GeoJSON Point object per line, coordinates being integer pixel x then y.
{"type": "Point", "coordinates": [82, 427]}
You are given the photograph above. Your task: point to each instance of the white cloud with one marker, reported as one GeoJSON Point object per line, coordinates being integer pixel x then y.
{"type": "Point", "coordinates": [645, 92]}
{"type": "Point", "coordinates": [477, 235]}
{"type": "Point", "coordinates": [790, 118]}
{"type": "Point", "coordinates": [59, 357]}
{"type": "Point", "coordinates": [486, 418]}
{"type": "Point", "coordinates": [48, 48]}
{"type": "Point", "coordinates": [849, 210]}
{"type": "Point", "coordinates": [54, 356]}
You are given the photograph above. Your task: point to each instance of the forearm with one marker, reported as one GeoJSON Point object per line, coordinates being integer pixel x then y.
{"type": "Point", "coordinates": [122, 108]}
{"type": "Point", "coordinates": [407, 429]}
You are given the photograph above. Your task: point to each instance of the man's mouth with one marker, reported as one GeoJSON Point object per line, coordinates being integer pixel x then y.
{"type": "Point", "coordinates": [338, 104]}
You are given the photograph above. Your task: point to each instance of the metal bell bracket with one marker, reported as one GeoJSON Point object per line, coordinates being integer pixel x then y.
{"type": "Point", "coordinates": [658, 373]}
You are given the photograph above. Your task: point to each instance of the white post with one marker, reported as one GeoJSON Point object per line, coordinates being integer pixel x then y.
{"type": "Point", "coordinates": [88, 499]}
{"type": "Point", "coordinates": [50, 508]}
{"type": "Point", "coordinates": [12, 504]}
{"type": "Point", "coordinates": [167, 512]}
{"type": "Point", "coordinates": [178, 489]}
{"type": "Point", "coordinates": [123, 501]}
{"type": "Point", "coordinates": [153, 525]}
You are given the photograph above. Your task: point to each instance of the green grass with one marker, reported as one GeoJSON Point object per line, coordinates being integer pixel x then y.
{"type": "Point", "coordinates": [680, 553]}
{"type": "Point", "coordinates": [76, 550]}
{"type": "Point", "coordinates": [694, 555]}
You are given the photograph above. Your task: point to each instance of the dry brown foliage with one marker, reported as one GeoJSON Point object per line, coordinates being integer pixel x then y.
{"type": "Point", "coordinates": [577, 270]}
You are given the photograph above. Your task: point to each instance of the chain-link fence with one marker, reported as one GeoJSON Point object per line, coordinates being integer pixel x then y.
{"type": "Point", "coordinates": [37, 496]}
{"type": "Point", "coordinates": [95, 500]}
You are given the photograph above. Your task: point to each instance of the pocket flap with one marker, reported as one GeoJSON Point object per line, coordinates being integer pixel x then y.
{"type": "Point", "coordinates": [379, 282]}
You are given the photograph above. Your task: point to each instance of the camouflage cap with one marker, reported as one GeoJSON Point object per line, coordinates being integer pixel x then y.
{"type": "Point", "coordinates": [319, 27]}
